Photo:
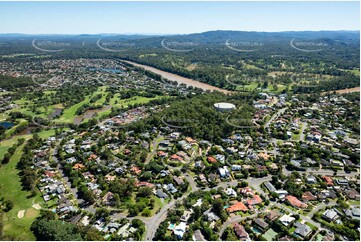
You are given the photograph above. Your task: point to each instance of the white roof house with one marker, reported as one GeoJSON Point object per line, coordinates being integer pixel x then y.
{"type": "Point", "coordinates": [180, 229]}
{"type": "Point", "coordinates": [286, 219]}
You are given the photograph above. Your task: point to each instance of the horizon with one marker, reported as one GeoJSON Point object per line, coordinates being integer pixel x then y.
{"type": "Point", "coordinates": [161, 34]}
{"type": "Point", "coordinates": [171, 18]}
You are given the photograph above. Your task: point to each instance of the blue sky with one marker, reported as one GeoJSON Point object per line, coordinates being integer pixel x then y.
{"type": "Point", "coordinates": [175, 17]}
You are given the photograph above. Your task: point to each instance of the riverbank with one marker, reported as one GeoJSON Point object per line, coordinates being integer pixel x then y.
{"type": "Point", "coordinates": [179, 79]}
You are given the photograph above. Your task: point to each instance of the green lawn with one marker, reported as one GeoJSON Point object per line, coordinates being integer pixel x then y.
{"type": "Point", "coordinates": [119, 103]}
{"type": "Point", "coordinates": [355, 72]}
{"type": "Point", "coordinates": [353, 202]}
{"type": "Point", "coordinates": [6, 144]}
{"type": "Point", "coordinates": [158, 204]}
{"type": "Point", "coordinates": [69, 113]}
{"type": "Point", "coordinates": [47, 133]}
{"type": "Point", "coordinates": [116, 102]}
{"type": "Point", "coordinates": [10, 132]}
{"type": "Point", "coordinates": [3, 116]}
{"type": "Point", "coordinates": [269, 235]}
{"type": "Point", "coordinates": [319, 237]}
{"type": "Point", "coordinates": [251, 86]}
{"type": "Point", "coordinates": [101, 90]}
{"type": "Point", "coordinates": [311, 225]}
{"type": "Point", "coordinates": [14, 227]}
{"type": "Point", "coordinates": [44, 112]}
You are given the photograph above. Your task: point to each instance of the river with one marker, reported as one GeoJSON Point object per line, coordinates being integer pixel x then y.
{"type": "Point", "coordinates": [179, 79]}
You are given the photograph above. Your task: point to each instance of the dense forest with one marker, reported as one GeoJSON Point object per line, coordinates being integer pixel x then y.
{"type": "Point", "coordinates": [197, 117]}
{"type": "Point", "coordinates": [10, 83]}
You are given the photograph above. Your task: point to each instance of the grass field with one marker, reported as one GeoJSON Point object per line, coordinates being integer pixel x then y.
{"type": "Point", "coordinates": [17, 228]}
{"type": "Point", "coordinates": [101, 90]}
{"type": "Point", "coordinates": [6, 144]}
{"type": "Point", "coordinates": [10, 188]}
{"type": "Point", "coordinates": [157, 205]}
{"type": "Point", "coordinates": [69, 113]}
{"type": "Point", "coordinates": [11, 131]}
{"type": "Point", "coordinates": [116, 102]}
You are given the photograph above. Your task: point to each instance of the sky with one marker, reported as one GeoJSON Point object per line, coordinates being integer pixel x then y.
{"type": "Point", "coordinates": [175, 17]}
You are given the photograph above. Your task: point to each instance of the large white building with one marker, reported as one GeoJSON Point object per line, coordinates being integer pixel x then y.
{"type": "Point", "coordinates": [224, 107]}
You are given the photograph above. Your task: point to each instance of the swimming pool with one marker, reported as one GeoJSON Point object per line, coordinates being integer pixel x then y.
{"type": "Point", "coordinates": [257, 231]}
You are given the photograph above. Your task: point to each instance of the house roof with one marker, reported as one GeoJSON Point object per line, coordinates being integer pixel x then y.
{"type": "Point", "coordinates": [286, 238]}
{"type": "Point", "coordinates": [161, 194]}
{"type": "Point", "coordinates": [302, 229]}
{"type": "Point", "coordinates": [352, 193]}
{"type": "Point", "coordinates": [78, 166]}
{"type": "Point", "coordinates": [142, 184]}
{"type": "Point", "coordinates": [136, 169]}
{"type": "Point", "coordinates": [328, 180]}
{"type": "Point", "coordinates": [178, 180]}
{"type": "Point", "coordinates": [330, 214]}
{"type": "Point", "coordinates": [260, 223]}
{"type": "Point", "coordinates": [295, 202]}
{"type": "Point", "coordinates": [49, 173]}
{"type": "Point", "coordinates": [92, 157]}
{"type": "Point", "coordinates": [286, 219]}
{"type": "Point", "coordinates": [198, 235]}
{"type": "Point", "coordinates": [211, 159]}
{"type": "Point", "coordinates": [272, 215]}
{"type": "Point", "coordinates": [308, 196]}
{"type": "Point", "coordinates": [255, 200]}
{"type": "Point", "coordinates": [238, 206]}
{"type": "Point", "coordinates": [240, 230]}
{"type": "Point", "coordinates": [176, 157]}
{"type": "Point", "coordinates": [264, 156]}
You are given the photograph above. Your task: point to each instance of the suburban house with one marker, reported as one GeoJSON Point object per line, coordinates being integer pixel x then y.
{"type": "Point", "coordinates": [286, 220]}
{"type": "Point", "coordinates": [295, 202]}
{"type": "Point", "coordinates": [261, 224]}
{"type": "Point", "coordinates": [330, 215]}
{"type": "Point", "coordinates": [179, 230]}
{"type": "Point", "coordinates": [303, 230]}
{"type": "Point", "coordinates": [352, 194]}
{"type": "Point", "coordinates": [308, 196]}
{"type": "Point", "coordinates": [198, 236]}
{"type": "Point", "coordinates": [328, 180]}
{"type": "Point", "coordinates": [254, 201]}
{"type": "Point", "coordinates": [240, 232]}
{"type": "Point", "coordinates": [272, 215]}
{"type": "Point", "coordinates": [238, 206]}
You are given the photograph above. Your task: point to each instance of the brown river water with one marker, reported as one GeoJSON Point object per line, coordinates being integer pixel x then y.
{"type": "Point", "coordinates": [179, 79]}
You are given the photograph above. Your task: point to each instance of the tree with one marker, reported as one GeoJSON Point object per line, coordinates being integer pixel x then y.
{"type": "Point", "coordinates": [229, 235]}
{"type": "Point", "coordinates": [146, 212]}
{"type": "Point", "coordinates": [92, 234]}
{"type": "Point", "coordinates": [8, 205]}
{"type": "Point", "coordinates": [101, 213]}
{"type": "Point", "coordinates": [47, 214]}
{"type": "Point", "coordinates": [133, 211]}
{"type": "Point", "coordinates": [6, 158]}
{"type": "Point", "coordinates": [55, 230]}
{"type": "Point", "coordinates": [218, 208]}
{"type": "Point", "coordinates": [121, 136]}
{"type": "Point", "coordinates": [145, 192]}
{"type": "Point", "coordinates": [243, 184]}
